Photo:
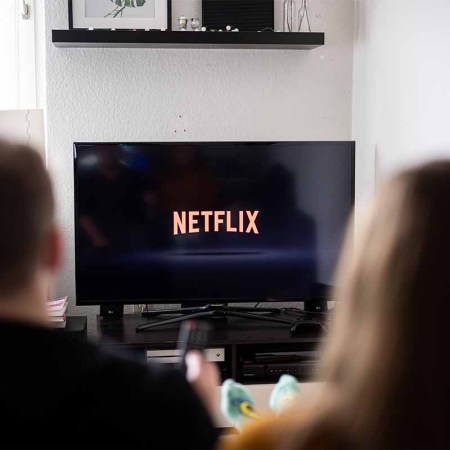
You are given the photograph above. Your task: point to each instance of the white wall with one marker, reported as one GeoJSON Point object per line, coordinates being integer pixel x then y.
{"type": "Point", "coordinates": [25, 126]}
{"type": "Point", "coordinates": [402, 88]}
{"type": "Point", "coordinates": [164, 95]}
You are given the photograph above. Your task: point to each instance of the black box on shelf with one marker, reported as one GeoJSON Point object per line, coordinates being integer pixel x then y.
{"type": "Point", "coordinates": [248, 15]}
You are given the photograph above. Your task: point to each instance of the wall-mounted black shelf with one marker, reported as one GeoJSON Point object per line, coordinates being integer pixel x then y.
{"type": "Point", "coordinates": [187, 39]}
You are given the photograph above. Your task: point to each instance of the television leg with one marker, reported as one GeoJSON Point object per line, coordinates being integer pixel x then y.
{"type": "Point", "coordinates": [173, 312]}
{"type": "Point", "coordinates": [257, 317]}
{"type": "Point", "coordinates": [252, 310]}
{"type": "Point", "coordinates": [199, 315]}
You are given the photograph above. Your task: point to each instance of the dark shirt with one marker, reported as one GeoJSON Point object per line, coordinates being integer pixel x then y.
{"type": "Point", "coordinates": [56, 391]}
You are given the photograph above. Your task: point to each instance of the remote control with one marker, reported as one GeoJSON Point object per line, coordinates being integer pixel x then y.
{"type": "Point", "coordinates": [193, 335]}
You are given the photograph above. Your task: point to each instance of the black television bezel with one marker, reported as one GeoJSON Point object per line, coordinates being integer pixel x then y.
{"type": "Point", "coordinates": [192, 301]}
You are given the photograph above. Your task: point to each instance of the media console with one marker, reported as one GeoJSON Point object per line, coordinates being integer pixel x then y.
{"type": "Point", "coordinates": [247, 351]}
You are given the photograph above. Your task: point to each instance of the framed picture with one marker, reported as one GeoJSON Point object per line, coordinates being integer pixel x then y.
{"type": "Point", "coordinates": [120, 14]}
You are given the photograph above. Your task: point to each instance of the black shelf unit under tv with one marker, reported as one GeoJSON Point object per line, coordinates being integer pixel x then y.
{"type": "Point", "coordinates": [81, 38]}
{"type": "Point", "coordinates": [236, 338]}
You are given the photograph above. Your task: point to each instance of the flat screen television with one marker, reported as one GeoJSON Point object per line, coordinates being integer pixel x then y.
{"type": "Point", "coordinates": [209, 222]}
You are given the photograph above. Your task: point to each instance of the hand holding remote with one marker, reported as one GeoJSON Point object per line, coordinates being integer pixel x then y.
{"type": "Point", "coordinates": [203, 375]}
{"type": "Point", "coordinates": [194, 335]}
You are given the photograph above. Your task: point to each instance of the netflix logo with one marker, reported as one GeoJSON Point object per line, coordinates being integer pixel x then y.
{"type": "Point", "coordinates": [214, 221]}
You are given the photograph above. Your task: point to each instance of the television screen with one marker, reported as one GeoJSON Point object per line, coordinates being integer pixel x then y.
{"type": "Point", "coordinates": [212, 222]}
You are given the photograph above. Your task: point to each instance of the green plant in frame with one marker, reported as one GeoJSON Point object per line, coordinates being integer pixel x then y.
{"type": "Point", "coordinates": [122, 4]}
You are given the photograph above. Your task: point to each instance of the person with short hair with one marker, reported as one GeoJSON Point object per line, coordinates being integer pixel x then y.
{"type": "Point", "coordinates": [58, 392]}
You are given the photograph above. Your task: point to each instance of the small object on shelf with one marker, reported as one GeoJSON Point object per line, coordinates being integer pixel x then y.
{"type": "Point", "coordinates": [236, 30]}
{"type": "Point", "coordinates": [203, 28]}
{"type": "Point", "coordinates": [57, 304]}
{"type": "Point", "coordinates": [56, 312]}
{"type": "Point", "coordinates": [302, 15]}
{"type": "Point", "coordinates": [195, 23]}
{"type": "Point", "coordinates": [220, 31]}
{"type": "Point", "coordinates": [288, 15]}
{"type": "Point", "coordinates": [229, 27]}
{"type": "Point", "coordinates": [90, 29]}
{"type": "Point", "coordinates": [113, 29]}
{"type": "Point", "coordinates": [182, 23]}
{"type": "Point", "coordinates": [247, 15]}
{"type": "Point", "coordinates": [163, 29]}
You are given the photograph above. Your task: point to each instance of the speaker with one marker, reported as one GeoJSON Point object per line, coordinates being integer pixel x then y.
{"type": "Point", "coordinates": [111, 310]}
{"type": "Point", "coordinates": [247, 15]}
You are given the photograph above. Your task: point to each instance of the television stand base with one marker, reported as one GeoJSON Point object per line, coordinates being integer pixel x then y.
{"type": "Point", "coordinates": [213, 312]}
{"type": "Point", "coordinates": [209, 307]}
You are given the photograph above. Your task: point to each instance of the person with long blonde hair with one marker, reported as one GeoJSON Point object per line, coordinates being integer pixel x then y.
{"type": "Point", "coordinates": [385, 363]}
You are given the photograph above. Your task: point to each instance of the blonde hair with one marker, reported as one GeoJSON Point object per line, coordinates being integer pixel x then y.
{"type": "Point", "coordinates": [385, 363]}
